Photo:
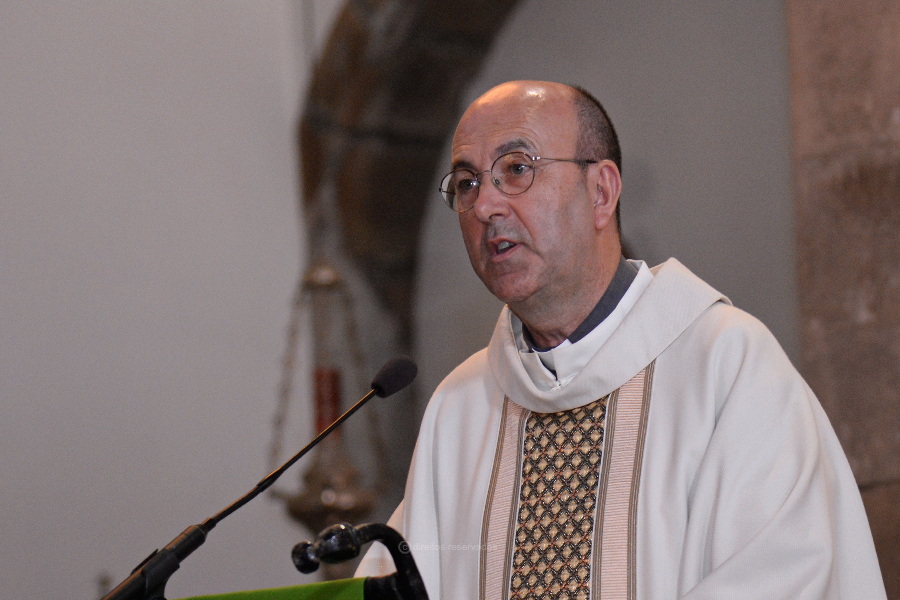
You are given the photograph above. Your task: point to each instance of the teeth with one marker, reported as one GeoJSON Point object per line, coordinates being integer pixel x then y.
{"type": "Point", "coordinates": [504, 245]}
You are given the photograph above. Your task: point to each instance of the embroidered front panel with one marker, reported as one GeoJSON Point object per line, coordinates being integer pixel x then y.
{"type": "Point", "coordinates": [557, 502]}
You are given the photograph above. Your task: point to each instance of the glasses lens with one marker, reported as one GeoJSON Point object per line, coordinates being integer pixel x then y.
{"type": "Point", "coordinates": [460, 189]}
{"type": "Point", "coordinates": [513, 173]}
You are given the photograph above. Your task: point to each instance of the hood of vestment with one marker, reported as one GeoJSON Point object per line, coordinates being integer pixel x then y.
{"type": "Point", "coordinates": [671, 302]}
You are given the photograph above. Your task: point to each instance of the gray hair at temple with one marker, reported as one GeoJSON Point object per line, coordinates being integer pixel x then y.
{"type": "Point", "coordinates": [597, 137]}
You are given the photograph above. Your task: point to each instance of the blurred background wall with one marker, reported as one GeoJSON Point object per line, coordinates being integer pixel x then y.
{"type": "Point", "coordinates": [150, 240]}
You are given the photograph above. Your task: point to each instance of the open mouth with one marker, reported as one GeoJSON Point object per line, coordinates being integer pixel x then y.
{"type": "Point", "coordinates": [505, 246]}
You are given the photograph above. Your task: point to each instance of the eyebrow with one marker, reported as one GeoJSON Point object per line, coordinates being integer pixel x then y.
{"type": "Point", "coordinates": [514, 145]}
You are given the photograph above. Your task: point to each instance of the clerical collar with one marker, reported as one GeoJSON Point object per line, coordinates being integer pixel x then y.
{"type": "Point", "coordinates": [621, 281]}
{"type": "Point", "coordinates": [557, 367]}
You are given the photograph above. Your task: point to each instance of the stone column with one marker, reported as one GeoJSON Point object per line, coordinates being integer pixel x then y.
{"type": "Point", "coordinates": [845, 95]}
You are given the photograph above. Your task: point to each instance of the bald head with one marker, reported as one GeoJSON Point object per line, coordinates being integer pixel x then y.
{"type": "Point", "coordinates": [526, 94]}
{"type": "Point", "coordinates": [523, 100]}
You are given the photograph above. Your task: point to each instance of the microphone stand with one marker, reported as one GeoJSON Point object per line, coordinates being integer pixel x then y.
{"type": "Point", "coordinates": [149, 578]}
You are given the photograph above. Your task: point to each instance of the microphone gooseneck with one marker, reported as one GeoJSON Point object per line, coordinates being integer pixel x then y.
{"type": "Point", "coordinates": [395, 375]}
{"type": "Point", "coordinates": [148, 580]}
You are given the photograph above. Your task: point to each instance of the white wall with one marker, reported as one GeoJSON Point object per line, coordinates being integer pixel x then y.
{"type": "Point", "coordinates": [149, 243]}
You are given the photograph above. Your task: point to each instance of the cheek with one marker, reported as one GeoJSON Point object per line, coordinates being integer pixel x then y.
{"type": "Point", "coordinates": [567, 228]}
{"type": "Point", "coordinates": [471, 234]}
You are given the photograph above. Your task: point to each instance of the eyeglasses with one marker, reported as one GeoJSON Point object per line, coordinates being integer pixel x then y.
{"type": "Point", "coordinates": [511, 173]}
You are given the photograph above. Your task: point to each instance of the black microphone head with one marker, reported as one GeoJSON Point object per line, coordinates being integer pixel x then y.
{"type": "Point", "coordinates": [395, 375]}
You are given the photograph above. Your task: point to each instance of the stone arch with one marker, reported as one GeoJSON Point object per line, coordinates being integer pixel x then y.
{"type": "Point", "coordinates": [385, 94]}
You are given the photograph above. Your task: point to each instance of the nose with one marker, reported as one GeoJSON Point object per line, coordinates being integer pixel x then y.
{"type": "Point", "coordinates": [491, 202]}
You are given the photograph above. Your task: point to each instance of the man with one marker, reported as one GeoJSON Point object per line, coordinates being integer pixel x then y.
{"type": "Point", "coordinates": [627, 433]}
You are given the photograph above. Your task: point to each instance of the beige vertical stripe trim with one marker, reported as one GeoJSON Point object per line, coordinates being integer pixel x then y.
{"type": "Point", "coordinates": [636, 480]}
{"type": "Point", "coordinates": [615, 533]}
{"type": "Point", "coordinates": [498, 527]}
{"type": "Point", "coordinates": [609, 433]}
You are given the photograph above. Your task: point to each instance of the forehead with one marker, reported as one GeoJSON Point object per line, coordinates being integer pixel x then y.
{"type": "Point", "coordinates": [510, 118]}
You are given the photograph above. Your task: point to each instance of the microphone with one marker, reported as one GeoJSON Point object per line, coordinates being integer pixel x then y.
{"type": "Point", "coordinates": [395, 375]}
{"type": "Point", "coordinates": [149, 578]}
{"type": "Point", "coordinates": [344, 541]}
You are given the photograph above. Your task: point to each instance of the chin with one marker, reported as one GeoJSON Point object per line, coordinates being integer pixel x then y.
{"type": "Point", "coordinates": [509, 294]}
{"type": "Point", "coordinates": [509, 288]}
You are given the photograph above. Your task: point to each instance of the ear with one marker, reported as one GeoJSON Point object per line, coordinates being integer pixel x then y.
{"type": "Point", "coordinates": [606, 187]}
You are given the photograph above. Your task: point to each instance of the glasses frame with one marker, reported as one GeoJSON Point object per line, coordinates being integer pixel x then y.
{"type": "Point", "coordinates": [450, 199]}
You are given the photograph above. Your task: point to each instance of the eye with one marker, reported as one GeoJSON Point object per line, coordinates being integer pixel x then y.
{"type": "Point", "coordinates": [518, 168]}
{"type": "Point", "coordinates": [515, 165]}
{"type": "Point", "coordinates": [465, 182]}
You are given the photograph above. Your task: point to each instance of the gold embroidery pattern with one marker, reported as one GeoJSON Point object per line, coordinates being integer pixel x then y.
{"type": "Point", "coordinates": [557, 501]}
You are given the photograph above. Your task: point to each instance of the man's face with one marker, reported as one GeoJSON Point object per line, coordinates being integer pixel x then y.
{"type": "Point", "coordinates": [534, 248]}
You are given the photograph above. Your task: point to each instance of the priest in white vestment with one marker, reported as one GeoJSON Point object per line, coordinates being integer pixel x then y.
{"type": "Point", "coordinates": [627, 433]}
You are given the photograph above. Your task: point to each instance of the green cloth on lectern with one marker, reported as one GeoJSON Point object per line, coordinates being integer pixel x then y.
{"type": "Point", "coordinates": [342, 589]}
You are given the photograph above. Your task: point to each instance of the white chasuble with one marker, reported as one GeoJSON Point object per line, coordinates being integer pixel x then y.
{"type": "Point", "coordinates": [673, 453]}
